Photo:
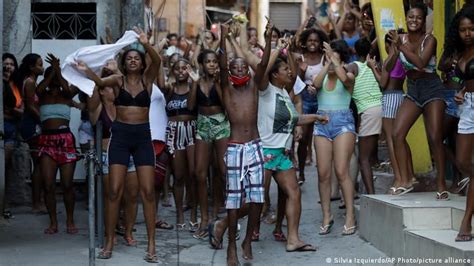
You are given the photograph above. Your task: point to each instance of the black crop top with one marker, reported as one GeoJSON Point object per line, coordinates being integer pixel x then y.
{"type": "Point", "coordinates": [178, 105]}
{"type": "Point", "coordinates": [468, 71]}
{"type": "Point", "coordinates": [142, 99]}
{"type": "Point", "coordinates": [212, 100]}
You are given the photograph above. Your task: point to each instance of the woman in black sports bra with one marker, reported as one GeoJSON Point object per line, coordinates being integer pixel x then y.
{"type": "Point", "coordinates": [131, 136]}
{"type": "Point", "coordinates": [180, 134]}
{"type": "Point", "coordinates": [101, 108]}
{"type": "Point", "coordinates": [213, 131]}
{"type": "Point", "coordinates": [464, 45]}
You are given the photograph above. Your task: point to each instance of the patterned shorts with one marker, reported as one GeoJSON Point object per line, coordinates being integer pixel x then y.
{"type": "Point", "coordinates": [391, 101]}
{"type": "Point", "coordinates": [245, 173]}
{"type": "Point", "coordinates": [59, 144]}
{"type": "Point", "coordinates": [212, 127]}
{"type": "Point", "coordinates": [179, 135]}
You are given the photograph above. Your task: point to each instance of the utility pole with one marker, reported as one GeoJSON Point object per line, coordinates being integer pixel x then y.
{"type": "Point", "coordinates": [311, 5]}
{"type": "Point", "coordinates": [183, 4]}
{"type": "Point", "coordinates": [2, 144]}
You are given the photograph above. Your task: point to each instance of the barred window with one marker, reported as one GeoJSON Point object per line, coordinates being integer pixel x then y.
{"type": "Point", "coordinates": [64, 21]}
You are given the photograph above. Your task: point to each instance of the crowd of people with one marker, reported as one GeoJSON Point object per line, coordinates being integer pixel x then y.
{"type": "Point", "coordinates": [225, 114]}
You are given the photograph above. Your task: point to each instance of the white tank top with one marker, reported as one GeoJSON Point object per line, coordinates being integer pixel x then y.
{"type": "Point", "coordinates": [311, 72]}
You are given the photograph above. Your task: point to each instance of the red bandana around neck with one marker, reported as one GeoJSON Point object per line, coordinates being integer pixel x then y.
{"type": "Point", "coordinates": [239, 81]}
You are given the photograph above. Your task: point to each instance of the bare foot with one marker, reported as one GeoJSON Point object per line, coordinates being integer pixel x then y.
{"type": "Point", "coordinates": [247, 250]}
{"type": "Point", "coordinates": [232, 259]}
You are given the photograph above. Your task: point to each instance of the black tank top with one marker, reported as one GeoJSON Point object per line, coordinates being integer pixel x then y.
{"type": "Point", "coordinates": [178, 105]}
{"type": "Point", "coordinates": [212, 100]}
{"type": "Point", "coordinates": [142, 99]}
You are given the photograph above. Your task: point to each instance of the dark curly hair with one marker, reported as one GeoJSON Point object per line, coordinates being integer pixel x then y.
{"type": "Point", "coordinates": [322, 37]}
{"type": "Point", "coordinates": [24, 70]}
{"type": "Point", "coordinates": [341, 47]}
{"type": "Point", "coordinates": [453, 43]}
{"type": "Point", "coordinates": [421, 6]}
{"type": "Point", "coordinates": [142, 56]}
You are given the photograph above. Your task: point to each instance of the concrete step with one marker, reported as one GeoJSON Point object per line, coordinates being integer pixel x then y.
{"type": "Point", "coordinates": [438, 244]}
{"type": "Point", "coordinates": [384, 220]}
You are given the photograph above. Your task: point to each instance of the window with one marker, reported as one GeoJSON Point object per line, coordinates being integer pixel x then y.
{"type": "Point", "coordinates": [64, 21]}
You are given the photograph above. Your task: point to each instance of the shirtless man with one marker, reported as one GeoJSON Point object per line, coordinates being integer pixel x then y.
{"type": "Point", "coordinates": [244, 157]}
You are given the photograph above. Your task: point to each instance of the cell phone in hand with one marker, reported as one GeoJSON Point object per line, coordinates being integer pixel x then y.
{"type": "Point", "coordinates": [311, 22]}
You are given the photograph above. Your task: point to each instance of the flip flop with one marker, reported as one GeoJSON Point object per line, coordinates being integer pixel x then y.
{"type": "Point", "coordinates": [201, 234]}
{"type": "Point", "coordinates": [151, 258]}
{"type": "Point", "coordinates": [50, 231]}
{"type": "Point", "coordinates": [279, 237]}
{"type": "Point", "coordinates": [213, 241]}
{"type": "Point", "coordinates": [72, 230]}
{"type": "Point", "coordinates": [255, 236]}
{"type": "Point", "coordinates": [129, 241]}
{"type": "Point", "coordinates": [463, 238]}
{"type": "Point", "coordinates": [326, 229]}
{"type": "Point", "coordinates": [463, 184]}
{"type": "Point", "coordinates": [193, 227]}
{"type": "Point", "coordinates": [104, 254]}
{"type": "Point", "coordinates": [404, 190]}
{"type": "Point", "coordinates": [444, 195]}
{"type": "Point", "coordinates": [163, 225]}
{"type": "Point", "coordinates": [391, 190]}
{"type": "Point", "coordinates": [347, 231]}
{"type": "Point", "coordinates": [303, 248]}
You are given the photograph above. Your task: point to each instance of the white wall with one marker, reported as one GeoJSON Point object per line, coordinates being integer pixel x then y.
{"type": "Point", "coordinates": [61, 49]}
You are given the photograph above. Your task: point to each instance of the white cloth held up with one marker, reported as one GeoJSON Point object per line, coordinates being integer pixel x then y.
{"type": "Point", "coordinates": [95, 57]}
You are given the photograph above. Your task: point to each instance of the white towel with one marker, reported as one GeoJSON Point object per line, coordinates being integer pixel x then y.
{"type": "Point", "coordinates": [95, 57]}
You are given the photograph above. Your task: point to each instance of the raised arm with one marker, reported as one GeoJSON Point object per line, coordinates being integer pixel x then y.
{"type": "Point", "coordinates": [93, 104]}
{"type": "Point", "coordinates": [318, 79]}
{"type": "Point", "coordinates": [152, 69]}
{"type": "Point", "coordinates": [260, 78]}
{"type": "Point", "coordinates": [223, 64]}
{"type": "Point", "coordinates": [244, 48]}
{"type": "Point", "coordinates": [192, 97]}
{"type": "Point", "coordinates": [381, 76]}
{"type": "Point", "coordinates": [110, 81]}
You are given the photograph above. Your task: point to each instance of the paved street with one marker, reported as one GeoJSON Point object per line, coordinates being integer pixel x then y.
{"type": "Point", "coordinates": [22, 241]}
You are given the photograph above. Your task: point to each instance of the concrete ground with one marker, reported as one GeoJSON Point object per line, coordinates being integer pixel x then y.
{"type": "Point", "coordinates": [22, 241]}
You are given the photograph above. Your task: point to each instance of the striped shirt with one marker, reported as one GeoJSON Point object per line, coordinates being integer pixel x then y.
{"type": "Point", "coordinates": [366, 93]}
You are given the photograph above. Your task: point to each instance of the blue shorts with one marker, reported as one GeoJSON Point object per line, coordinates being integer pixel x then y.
{"type": "Point", "coordinates": [105, 164]}
{"type": "Point", "coordinates": [310, 102]}
{"type": "Point", "coordinates": [340, 122]}
{"type": "Point", "coordinates": [245, 173]}
{"type": "Point", "coordinates": [425, 90]}
{"type": "Point", "coordinates": [451, 106]}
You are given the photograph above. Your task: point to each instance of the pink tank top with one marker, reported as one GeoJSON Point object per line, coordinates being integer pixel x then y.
{"type": "Point", "coordinates": [398, 72]}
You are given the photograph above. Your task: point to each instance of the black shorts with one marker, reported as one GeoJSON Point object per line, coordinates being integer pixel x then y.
{"type": "Point", "coordinates": [128, 139]}
{"type": "Point", "coordinates": [425, 90]}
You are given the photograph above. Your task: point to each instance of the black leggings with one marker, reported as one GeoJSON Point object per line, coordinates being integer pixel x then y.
{"type": "Point", "coordinates": [129, 139]}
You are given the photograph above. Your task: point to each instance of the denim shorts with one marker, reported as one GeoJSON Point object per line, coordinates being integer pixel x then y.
{"type": "Point", "coordinates": [466, 114]}
{"type": "Point", "coordinates": [310, 102]}
{"type": "Point", "coordinates": [425, 90]}
{"type": "Point", "coordinates": [9, 131]}
{"type": "Point", "coordinates": [340, 122]}
{"type": "Point", "coordinates": [451, 106]}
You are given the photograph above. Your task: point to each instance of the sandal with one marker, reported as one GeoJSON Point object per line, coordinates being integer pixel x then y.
{"type": "Point", "coordinates": [462, 184]}
{"type": "Point", "coordinates": [349, 230]}
{"type": "Point", "coordinates": [463, 238]}
{"type": "Point", "coordinates": [50, 231]}
{"type": "Point", "coordinates": [129, 241]}
{"type": "Point", "coordinates": [279, 237]}
{"type": "Point", "coordinates": [104, 254]}
{"type": "Point", "coordinates": [160, 224]}
{"type": "Point", "coordinates": [201, 234]}
{"type": "Point", "coordinates": [444, 195]}
{"type": "Point", "coordinates": [193, 227]}
{"type": "Point", "coordinates": [213, 241]}
{"type": "Point", "coordinates": [403, 190]}
{"type": "Point", "coordinates": [151, 258]}
{"type": "Point", "coordinates": [72, 230]}
{"type": "Point", "coordinates": [326, 229]}
{"type": "Point", "coordinates": [180, 227]}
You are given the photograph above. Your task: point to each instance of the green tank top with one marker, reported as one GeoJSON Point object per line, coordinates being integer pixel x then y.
{"type": "Point", "coordinates": [366, 91]}
{"type": "Point", "coordinates": [331, 100]}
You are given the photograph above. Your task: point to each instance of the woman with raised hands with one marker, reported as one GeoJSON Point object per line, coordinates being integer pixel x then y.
{"type": "Point", "coordinates": [336, 139]}
{"type": "Point", "coordinates": [180, 138]}
{"type": "Point", "coordinates": [213, 131]}
{"type": "Point", "coordinates": [131, 136]}
{"type": "Point", "coordinates": [56, 143]}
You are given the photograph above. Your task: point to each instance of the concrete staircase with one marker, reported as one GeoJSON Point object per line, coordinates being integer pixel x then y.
{"type": "Point", "coordinates": [415, 225]}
